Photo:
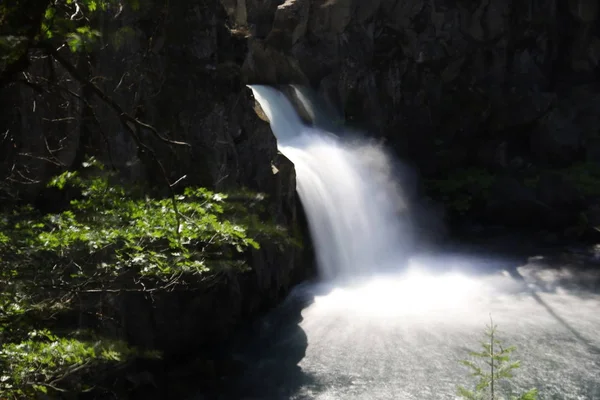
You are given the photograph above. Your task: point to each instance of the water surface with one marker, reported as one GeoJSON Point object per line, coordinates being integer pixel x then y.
{"type": "Point", "coordinates": [400, 336]}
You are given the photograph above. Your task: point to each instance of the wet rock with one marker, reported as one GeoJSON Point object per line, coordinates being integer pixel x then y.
{"type": "Point", "coordinates": [594, 51]}
{"type": "Point", "coordinates": [236, 10]}
{"type": "Point", "coordinates": [414, 72]}
{"type": "Point", "coordinates": [266, 65]}
{"type": "Point", "coordinates": [448, 159]}
{"type": "Point", "coordinates": [363, 11]}
{"type": "Point", "coordinates": [493, 154]}
{"type": "Point", "coordinates": [584, 10]}
{"type": "Point", "coordinates": [582, 104]}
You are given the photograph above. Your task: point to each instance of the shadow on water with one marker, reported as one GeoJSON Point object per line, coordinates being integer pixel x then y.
{"type": "Point", "coordinates": [573, 268]}
{"type": "Point", "coordinates": [271, 350]}
{"type": "Point", "coordinates": [532, 290]}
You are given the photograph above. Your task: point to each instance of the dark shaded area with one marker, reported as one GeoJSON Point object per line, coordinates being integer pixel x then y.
{"type": "Point", "coordinates": [270, 350]}
{"type": "Point", "coordinates": [177, 69]}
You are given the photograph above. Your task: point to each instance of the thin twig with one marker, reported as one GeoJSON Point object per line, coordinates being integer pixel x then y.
{"type": "Point", "coordinates": [125, 117]}
{"type": "Point", "coordinates": [46, 159]}
{"type": "Point", "coordinates": [178, 180]}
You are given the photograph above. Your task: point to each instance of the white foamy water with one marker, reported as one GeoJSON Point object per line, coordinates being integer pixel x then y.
{"type": "Point", "coordinates": [352, 204]}
{"type": "Point", "coordinates": [400, 337]}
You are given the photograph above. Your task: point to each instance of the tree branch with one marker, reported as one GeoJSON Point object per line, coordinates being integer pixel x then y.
{"type": "Point", "coordinates": [123, 116]}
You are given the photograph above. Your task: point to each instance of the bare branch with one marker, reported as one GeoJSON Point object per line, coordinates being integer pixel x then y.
{"type": "Point", "coordinates": [57, 163]}
{"type": "Point", "coordinates": [124, 117]}
{"type": "Point", "coordinates": [178, 180]}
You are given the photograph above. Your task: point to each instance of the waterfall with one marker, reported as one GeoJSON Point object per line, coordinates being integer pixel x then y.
{"type": "Point", "coordinates": [352, 202]}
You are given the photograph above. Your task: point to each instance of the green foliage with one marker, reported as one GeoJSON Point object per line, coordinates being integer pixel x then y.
{"type": "Point", "coordinates": [82, 39]}
{"type": "Point", "coordinates": [11, 48]}
{"type": "Point", "coordinates": [43, 361]}
{"type": "Point", "coordinates": [64, 21]}
{"type": "Point", "coordinates": [491, 365]}
{"type": "Point", "coordinates": [108, 232]}
{"type": "Point", "coordinates": [462, 188]}
{"type": "Point", "coordinates": [109, 239]}
{"type": "Point", "coordinates": [71, 22]}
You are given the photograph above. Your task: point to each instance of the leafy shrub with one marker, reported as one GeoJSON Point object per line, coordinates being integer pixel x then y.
{"type": "Point", "coordinates": [43, 362]}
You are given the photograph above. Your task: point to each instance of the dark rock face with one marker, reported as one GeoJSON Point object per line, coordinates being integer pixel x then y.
{"type": "Point", "coordinates": [443, 70]}
{"type": "Point", "coordinates": [496, 84]}
{"type": "Point", "coordinates": [506, 86]}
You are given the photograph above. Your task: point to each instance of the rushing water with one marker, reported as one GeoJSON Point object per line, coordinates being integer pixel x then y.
{"type": "Point", "coordinates": [352, 204]}
{"type": "Point", "coordinates": [399, 334]}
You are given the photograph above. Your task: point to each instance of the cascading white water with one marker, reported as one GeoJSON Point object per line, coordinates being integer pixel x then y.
{"type": "Point", "coordinates": [351, 201]}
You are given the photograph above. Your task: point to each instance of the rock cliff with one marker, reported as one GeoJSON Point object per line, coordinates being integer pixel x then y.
{"type": "Point", "coordinates": [474, 93]}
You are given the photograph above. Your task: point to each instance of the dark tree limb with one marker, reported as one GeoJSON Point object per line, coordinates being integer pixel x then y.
{"type": "Point", "coordinates": [123, 116]}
